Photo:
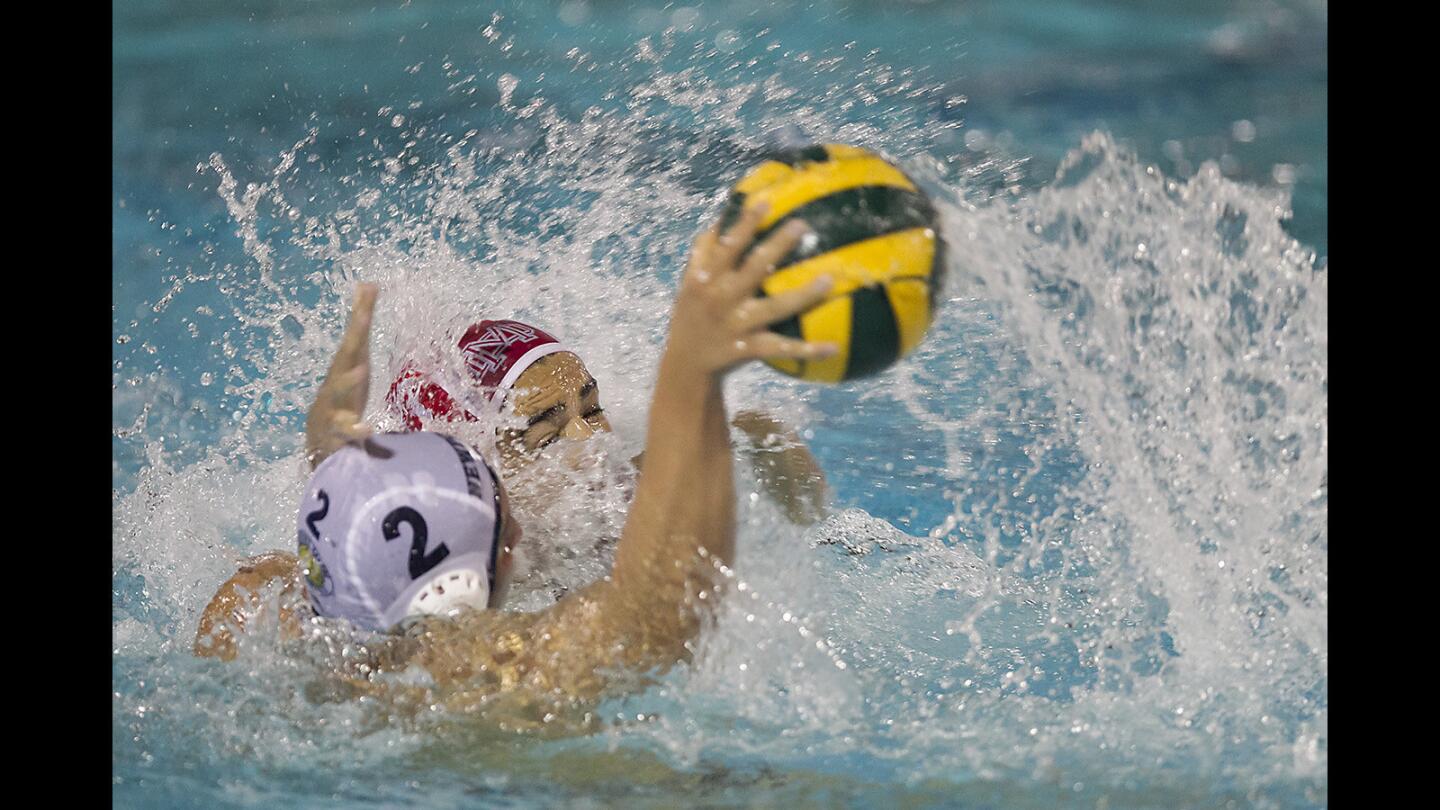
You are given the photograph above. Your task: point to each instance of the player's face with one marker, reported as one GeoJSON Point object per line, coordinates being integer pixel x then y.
{"type": "Point", "coordinates": [559, 399]}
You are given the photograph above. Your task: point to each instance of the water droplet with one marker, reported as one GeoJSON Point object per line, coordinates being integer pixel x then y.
{"type": "Point", "coordinates": [574, 12]}
{"type": "Point", "coordinates": [507, 84]}
{"type": "Point", "coordinates": [685, 17]}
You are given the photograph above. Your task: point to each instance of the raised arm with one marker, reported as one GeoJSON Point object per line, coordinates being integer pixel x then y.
{"type": "Point", "coordinates": [682, 520]}
{"type": "Point", "coordinates": [337, 415]}
{"type": "Point", "coordinates": [333, 420]}
{"type": "Point", "coordinates": [683, 517]}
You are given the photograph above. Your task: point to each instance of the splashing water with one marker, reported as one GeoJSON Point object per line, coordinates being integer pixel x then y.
{"type": "Point", "coordinates": [1077, 547]}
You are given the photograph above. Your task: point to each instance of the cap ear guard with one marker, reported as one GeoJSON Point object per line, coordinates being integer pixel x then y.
{"type": "Point", "coordinates": [449, 593]}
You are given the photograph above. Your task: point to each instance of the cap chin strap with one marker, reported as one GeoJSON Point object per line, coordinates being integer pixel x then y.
{"type": "Point", "coordinates": [450, 593]}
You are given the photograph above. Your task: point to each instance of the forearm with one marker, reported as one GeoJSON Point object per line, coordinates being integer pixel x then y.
{"type": "Point", "coordinates": [238, 600]}
{"type": "Point", "coordinates": [682, 520]}
{"type": "Point", "coordinates": [685, 498]}
{"type": "Point", "coordinates": [718, 479]}
{"type": "Point", "coordinates": [784, 466]}
{"type": "Point", "coordinates": [335, 417]}
{"type": "Point", "coordinates": [316, 449]}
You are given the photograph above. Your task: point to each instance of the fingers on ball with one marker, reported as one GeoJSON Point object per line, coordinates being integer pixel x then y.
{"type": "Point", "coordinates": [763, 259]}
{"type": "Point", "coordinates": [739, 236]}
{"type": "Point", "coordinates": [770, 346]}
{"type": "Point", "coordinates": [760, 312]}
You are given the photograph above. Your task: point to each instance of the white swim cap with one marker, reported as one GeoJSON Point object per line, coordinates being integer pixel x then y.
{"type": "Point", "coordinates": [405, 524]}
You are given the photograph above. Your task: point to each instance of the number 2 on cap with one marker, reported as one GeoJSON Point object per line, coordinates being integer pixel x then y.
{"type": "Point", "coordinates": [318, 515]}
{"type": "Point", "coordinates": [420, 562]}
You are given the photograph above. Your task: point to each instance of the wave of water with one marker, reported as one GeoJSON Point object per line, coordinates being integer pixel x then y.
{"type": "Point", "coordinates": [1077, 543]}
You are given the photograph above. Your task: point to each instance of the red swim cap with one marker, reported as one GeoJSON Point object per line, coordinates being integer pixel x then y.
{"type": "Point", "coordinates": [495, 353]}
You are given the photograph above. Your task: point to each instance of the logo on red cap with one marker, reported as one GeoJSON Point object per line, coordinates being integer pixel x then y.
{"type": "Point", "coordinates": [491, 350]}
{"type": "Point", "coordinates": [492, 347]}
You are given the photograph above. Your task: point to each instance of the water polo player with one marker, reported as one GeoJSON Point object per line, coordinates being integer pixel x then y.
{"type": "Point", "coordinates": [680, 529]}
{"type": "Point", "coordinates": [506, 362]}
{"type": "Point", "coordinates": [509, 363]}
{"type": "Point", "coordinates": [359, 483]}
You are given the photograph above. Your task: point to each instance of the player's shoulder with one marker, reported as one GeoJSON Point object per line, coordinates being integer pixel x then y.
{"type": "Point", "coordinates": [270, 564]}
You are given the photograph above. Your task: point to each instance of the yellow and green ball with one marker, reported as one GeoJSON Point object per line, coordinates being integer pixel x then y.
{"type": "Point", "coordinates": [878, 236]}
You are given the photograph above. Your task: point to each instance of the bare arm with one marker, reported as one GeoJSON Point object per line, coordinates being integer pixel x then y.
{"type": "Point", "coordinates": [682, 520]}
{"type": "Point", "coordinates": [336, 416]}
{"type": "Point", "coordinates": [333, 420]}
{"type": "Point", "coordinates": [238, 601]}
{"type": "Point", "coordinates": [784, 466]}
{"type": "Point", "coordinates": [683, 517]}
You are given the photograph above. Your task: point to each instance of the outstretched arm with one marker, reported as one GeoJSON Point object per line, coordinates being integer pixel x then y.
{"type": "Point", "coordinates": [683, 517]}
{"type": "Point", "coordinates": [682, 520]}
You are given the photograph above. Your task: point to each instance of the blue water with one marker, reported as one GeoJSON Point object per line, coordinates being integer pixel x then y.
{"type": "Point", "coordinates": [1099, 487]}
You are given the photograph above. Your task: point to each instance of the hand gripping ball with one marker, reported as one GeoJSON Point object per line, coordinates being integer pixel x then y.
{"type": "Point", "coordinates": [878, 237]}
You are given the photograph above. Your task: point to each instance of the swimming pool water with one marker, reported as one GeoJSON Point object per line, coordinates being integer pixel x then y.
{"type": "Point", "coordinates": [1076, 554]}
